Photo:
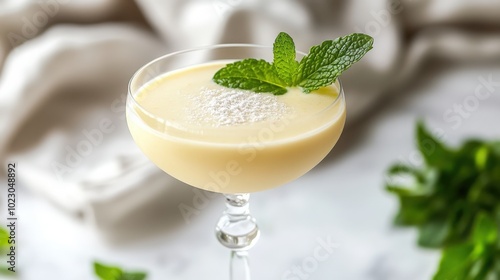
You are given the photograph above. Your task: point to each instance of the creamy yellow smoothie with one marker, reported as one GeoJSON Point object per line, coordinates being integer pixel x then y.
{"type": "Point", "coordinates": [231, 140]}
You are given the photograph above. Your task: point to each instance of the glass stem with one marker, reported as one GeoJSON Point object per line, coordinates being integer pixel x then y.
{"type": "Point", "coordinates": [237, 230]}
{"type": "Point", "coordinates": [239, 269]}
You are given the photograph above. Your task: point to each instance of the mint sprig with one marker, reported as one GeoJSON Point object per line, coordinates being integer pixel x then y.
{"type": "Point", "coordinates": [453, 200]}
{"type": "Point", "coordinates": [320, 68]}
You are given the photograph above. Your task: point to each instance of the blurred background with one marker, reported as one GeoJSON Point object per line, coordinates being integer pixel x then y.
{"type": "Point", "coordinates": [86, 193]}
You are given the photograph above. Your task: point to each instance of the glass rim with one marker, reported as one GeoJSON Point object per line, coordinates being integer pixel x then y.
{"type": "Point", "coordinates": [137, 73]}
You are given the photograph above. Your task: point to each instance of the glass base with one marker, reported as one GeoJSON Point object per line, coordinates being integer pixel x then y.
{"type": "Point", "coordinates": [237, 229]}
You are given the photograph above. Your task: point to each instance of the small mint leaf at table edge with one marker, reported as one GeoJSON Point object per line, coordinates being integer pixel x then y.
{"type": "Point", "coordinates": [4, 238]}
{"type": "Point", "coordinates": [5, 271]}
{"type": "Point", "coordinates": [133, 276]}
{"type": "Point", "coordinates": [105, 272]}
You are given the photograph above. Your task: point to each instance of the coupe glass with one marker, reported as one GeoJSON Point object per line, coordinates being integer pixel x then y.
{"type": "Point", "coordinates": [232, 167]}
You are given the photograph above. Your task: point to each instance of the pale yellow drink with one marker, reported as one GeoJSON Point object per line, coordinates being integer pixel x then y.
{"type": "Point", "coordinates": [221, 145]}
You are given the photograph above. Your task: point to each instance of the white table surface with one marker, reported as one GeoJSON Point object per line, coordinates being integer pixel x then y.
{"type": "Point", "coordinates": [343, 199]}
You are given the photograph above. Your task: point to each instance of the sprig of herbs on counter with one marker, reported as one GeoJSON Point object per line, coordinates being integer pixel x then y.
{"type": "Point", "coordinates": [454, 201]}
{"type": "Point", "coordinates": [4, 248]}
{"type": "Point", "coordinates": [319, 68]}
{"type": "Point", "coordinates": [106, 272]}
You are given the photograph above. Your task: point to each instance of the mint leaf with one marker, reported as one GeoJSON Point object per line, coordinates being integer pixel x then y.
{"type": "Point", "coordinates": [284, 58]}
{"type": "Point", "coordinates": [433, 152]}
{"type": "Point", "coordinates": [4, 239]}
{"type": "Point", "coordinates": [485, 230]}
{"type": "Point", "coordinates": [454, 263]}
{"type": "Point", "coordinates": [105, 272]}
{"type": "Point", "coordinates": [133, 276]}
{"type": "Point", "coordinates": [251, 74]}
{"type": "Point", "coordinates": [6, 272]}
{"type": "Point", "coordinates": [4, 246]}
{"type": "Point", "coordinates": [433, 234]}
{"type": "Point", "coordinates": [477, 258]}
{"type": "Point", "coordinates": [325, 62]}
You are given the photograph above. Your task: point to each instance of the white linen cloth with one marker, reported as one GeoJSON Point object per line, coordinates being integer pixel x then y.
{"type": "Point", "coordinates": [63, 90]}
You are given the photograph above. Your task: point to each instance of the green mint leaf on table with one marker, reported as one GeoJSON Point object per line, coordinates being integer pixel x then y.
{"type": "Point", "coordinates": [4, 248]}
{"type": "Point", "coordinates": [327, 61]}
{"type": "Point", "coordinates": [133, 276]}
{"type": "Point", "coordinates": [251, 74]}
{"type": "Point", "coordinates": [105, 272]}
{"type": "Point", "coordinates": [320, 68]}
{"type": "Point", "coordinates": [453, 199]}
{"type": "Point", "coordinates": [284, 58]}
{"type": "Point", "coordinates": [4, 271]}
{"type": "Point", "coordinates": [4, 239]}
